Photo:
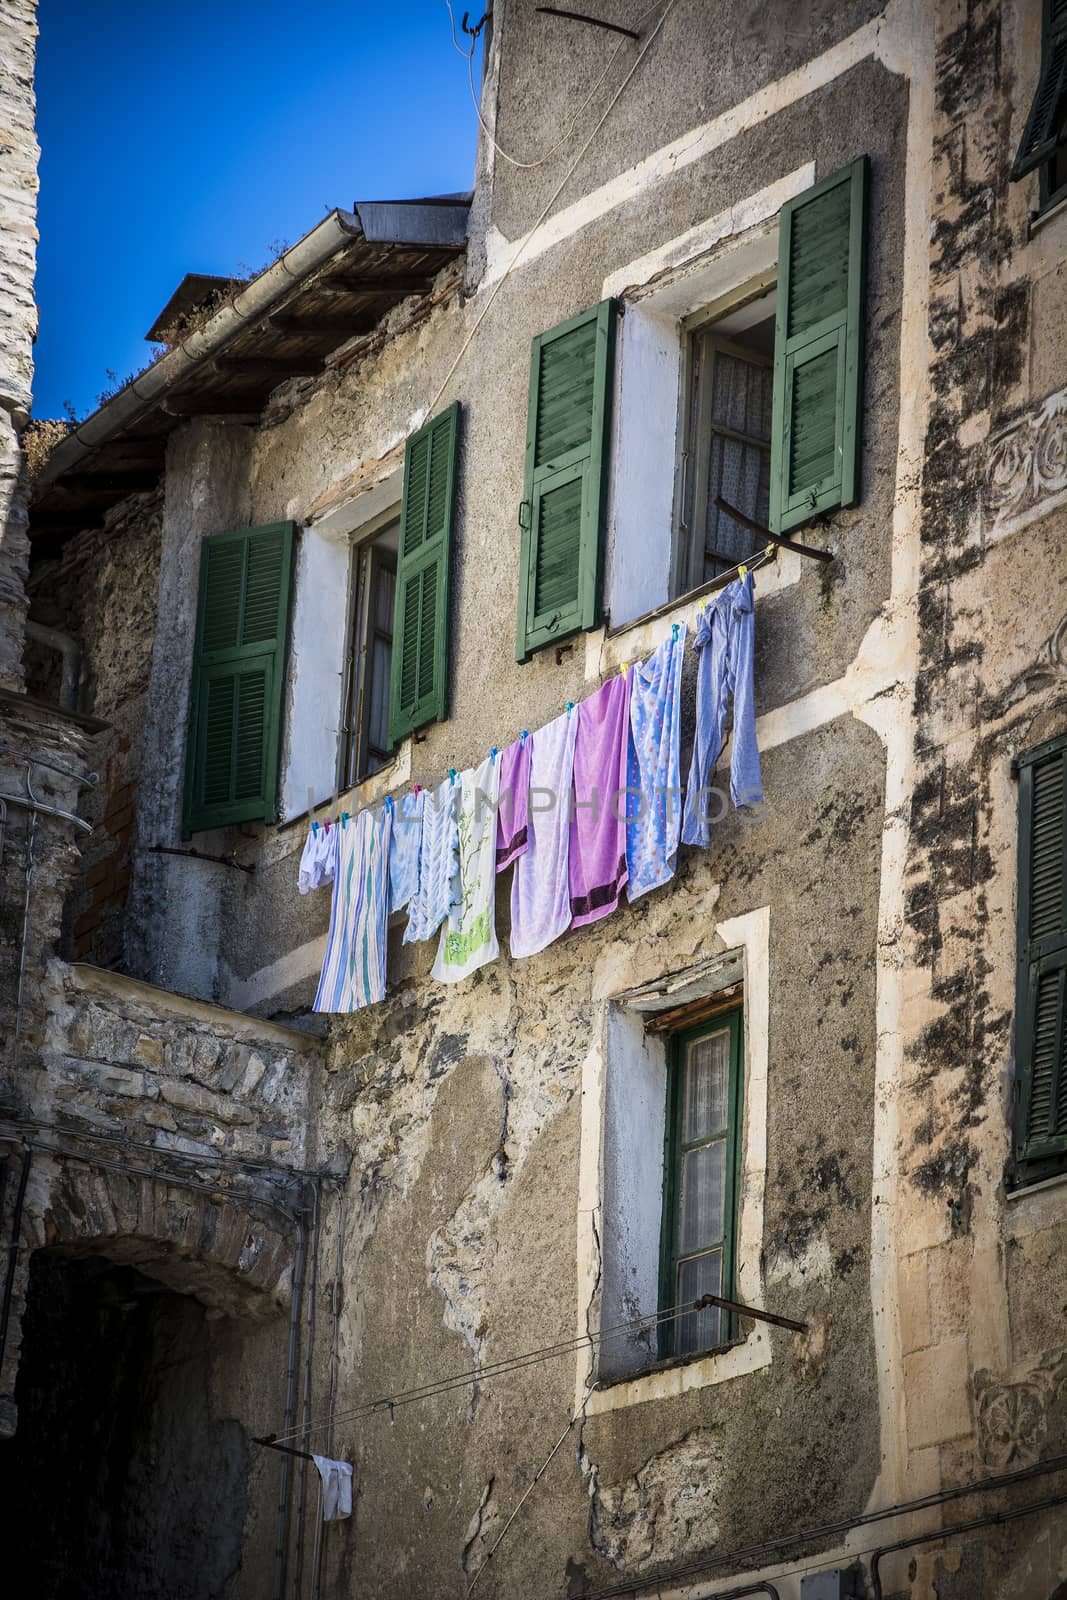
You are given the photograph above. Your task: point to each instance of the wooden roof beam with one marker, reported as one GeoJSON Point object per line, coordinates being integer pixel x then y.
{"type": "Point", "coordinates": [314, 326]}
{"type": "Point", "coordinates": [398, 283]}
{"type": "Point", "coordinates": [271, 367]}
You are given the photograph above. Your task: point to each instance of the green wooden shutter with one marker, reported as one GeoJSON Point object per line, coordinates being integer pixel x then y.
{"type": "Point", "coordinates": [242, 621]}
{"type": "Point", "coordinates": [818, 349]}
{"type": "Point", "coordinates": [561, 515]}
{"type": "Point", "coordinates": [1046, 125]}
{"type": "Point", "coordinates": [1041, 996]}
{"type": "Point", "coordinates": [418, 690]}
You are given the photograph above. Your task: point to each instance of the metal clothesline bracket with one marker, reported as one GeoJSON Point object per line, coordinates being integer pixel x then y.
{"type": "Point", "coordinates": [270, 1442]}
{"type": "Point", "coordinates": [749, 1311]}
{"type": "Point", "coordinates": [765, 533]}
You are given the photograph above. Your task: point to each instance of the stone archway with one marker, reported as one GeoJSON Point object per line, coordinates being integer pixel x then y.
{"type": "Point", "coordinates": [234, 1255]}
{"type": "Point", "coordinates": [153, 1344]}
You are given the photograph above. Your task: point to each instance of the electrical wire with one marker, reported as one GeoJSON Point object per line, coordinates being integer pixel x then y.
{"type": "Point", "coordinates": [579, 1411]}
{"type": "Point", "coordinates": [553, 197]}
{"type": "Point", "coordinates": [527, 166]}
{"type": "Point", "coordinates": [496, 1369]}
{"type": "Point", "coordinates": [776, 1546]}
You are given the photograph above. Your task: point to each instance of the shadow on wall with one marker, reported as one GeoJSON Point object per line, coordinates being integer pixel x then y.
{"type": "Point", "coordinates": [120, 1480]}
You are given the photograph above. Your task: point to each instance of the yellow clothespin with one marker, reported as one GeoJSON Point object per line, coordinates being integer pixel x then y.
{"type": "Point", "coordinates": [742, 573]}
{"type": "Point", "coordinates": [624, 668]}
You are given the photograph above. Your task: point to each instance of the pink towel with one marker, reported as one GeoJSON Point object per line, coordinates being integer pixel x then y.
{"type": "Point", "coordinates": [598, 821]}
{"type": "Point", "coordinates": [512, 838]}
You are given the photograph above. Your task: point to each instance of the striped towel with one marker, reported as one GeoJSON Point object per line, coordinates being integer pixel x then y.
{"type": "Point", "coordinates": [438, 864]}
{"type": "Point", "coordinates": [353, 969]}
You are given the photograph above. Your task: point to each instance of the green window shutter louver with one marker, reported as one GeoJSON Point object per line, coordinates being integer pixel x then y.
{"type": "Point", "coordinates": [818, 349]}
{"type": "Point", "coordinates": [418, 690]}
{"type": "Point", "coordinates": [242, 625]}
{"type": "Point", "coordinates": [1041, 998]}
{"type": "Point", "coordinates": [562, 511]}
{"type": "Point", "coordinates": [1046, 125]}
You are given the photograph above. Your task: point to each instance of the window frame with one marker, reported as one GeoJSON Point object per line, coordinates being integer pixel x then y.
{"type": "Point", "coordinates": [1053, 38]}
{"type": "Point", "coordinates": [1030, 956]}
{"type": "Point", "coordinates": [692, 328]}
{"type": "Point", "coordinates": [731, 1020]}
{"type": "Point", "coordinates": [361, 545]}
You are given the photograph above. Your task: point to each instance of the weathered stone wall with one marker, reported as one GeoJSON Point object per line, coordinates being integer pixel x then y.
{"type": "Point", "coordinates": [18, 313]}
{"type": "Point", "coordinates": [983, 1361]}
{"type": "Point", "coordinates": [891, 695]}
{"type": "Point", "coordinates": [128, 1060]}
{"type": "Point", "coordinates": [102, 591]}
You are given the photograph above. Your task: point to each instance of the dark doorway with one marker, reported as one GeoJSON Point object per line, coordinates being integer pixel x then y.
{"type": "Point", "coordinates": [119, 1480]}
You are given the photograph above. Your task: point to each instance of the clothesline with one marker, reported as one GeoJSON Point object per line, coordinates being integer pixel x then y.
{"type": "Point", "coordinates": [583, 809]}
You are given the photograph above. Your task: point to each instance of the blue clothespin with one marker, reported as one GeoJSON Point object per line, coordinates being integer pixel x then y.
{"type": "Point", "coordinates": [452, 774]}
{"type": "Point", "coordinates": [674, 631]}
{"type": "Point", "coordinates": [524, 735]}
{"type": "Point", "coordinates": [344, 819]}
{"type": "Point", "coordinates": [570, 707]}
{"type": "Point", "coordinates": [492, 754]}
{"type": "Point", "coordinates": [314, 827]}
{"type": "Point", "coordinates": [388, 802]}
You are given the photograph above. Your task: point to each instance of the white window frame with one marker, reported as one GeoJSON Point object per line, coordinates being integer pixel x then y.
{"type": "Point", "coordinates": [702, 272]}
{"type": "Point", "coordinates": [318, 647]}
{"type": "Point", "coordinates": [619, 1232]}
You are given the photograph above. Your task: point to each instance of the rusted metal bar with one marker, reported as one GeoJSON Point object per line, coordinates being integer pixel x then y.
{"type": "Point", "coordinates": [199, 855]}
{"type": "Point", "coordinates": [594, 22]}
{"type": "Point", "coordinates": [748, 1311]}
{"type": "Point", "coordinates": [765, 533]}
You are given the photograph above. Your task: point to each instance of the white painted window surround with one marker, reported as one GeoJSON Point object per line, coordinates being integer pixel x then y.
{"type": "Point", "coordinates": [317, 643]}
{"type": "Point", "coordinates": [658, 292]}
{"type": "Point", "coordinates": [621, 1177]}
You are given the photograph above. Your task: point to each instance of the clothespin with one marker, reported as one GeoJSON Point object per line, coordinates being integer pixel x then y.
{"type": "Point", "coordinates": [492, 754]}
{"type": "Point", "coordinates": [388, 802]}
{"type": "Point", "coordinates": [624, 669]}
{"type": "Point", "coordinates": [742, 573]}
{"type": "Point", "coordinates": [418, 788]}
{"type": "Point", "coordinates": [344, 819]}
{"type": "Point", "coordinates": [674, 631]}
{"type": "Point", "coordinates": [452, 775]}
{"type": "Point", "coordinates": [570, 707]}
{"type": "Point", "coordinates": [524, 735]}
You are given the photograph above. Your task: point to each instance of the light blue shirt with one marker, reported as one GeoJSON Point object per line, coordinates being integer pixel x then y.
{"type": "Point", "coordinates": [725, 642]}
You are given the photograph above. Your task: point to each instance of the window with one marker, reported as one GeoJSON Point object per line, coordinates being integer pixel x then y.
{"type": "Point", "coordinates": [701, 1165]}
{"type": "Point", "coordinates": [727, 442]}
{"type": "Point", "coordinates": [1041, 987]}
{"type": "Point", "coordinates": [764, 343]}
{"type": "Point", "coordinates": [365, 746]}
{"type": "Point", "coordinates": [239, 654]}
{"type": "Point", "coordinates": [1044, 138]}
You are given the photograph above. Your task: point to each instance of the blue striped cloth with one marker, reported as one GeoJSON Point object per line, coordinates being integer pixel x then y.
{"type": "Point", "coordinates": [653, 775]}
{"type": "Point", "coordinates": [438, 864]}
{"type": "Point", "coordinates": [353, 968]}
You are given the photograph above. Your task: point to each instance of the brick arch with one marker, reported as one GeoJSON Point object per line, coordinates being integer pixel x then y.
{"type": "Point", "coordinates": [234, 1257]}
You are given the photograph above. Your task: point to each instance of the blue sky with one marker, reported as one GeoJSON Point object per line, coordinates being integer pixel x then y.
{"type": "Point", "coordinates": [190, 139]}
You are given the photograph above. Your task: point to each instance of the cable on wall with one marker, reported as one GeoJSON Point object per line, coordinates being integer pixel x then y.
{"type": "Point", "coordinates": [557, 191]}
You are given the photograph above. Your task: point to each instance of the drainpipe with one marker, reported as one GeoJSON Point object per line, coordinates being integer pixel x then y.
{"type": "Point", "coordinates": [248, 306]}
{"type": "Point", "coordinates": [70, 650]}
{"type": "Point", "coordinates": [16, 1230]}
{"type": "Point", "coordinates": [281, 1540]}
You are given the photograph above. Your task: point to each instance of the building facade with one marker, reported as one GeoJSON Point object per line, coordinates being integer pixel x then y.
{"type": "Point", "coordinates": [433, 477]}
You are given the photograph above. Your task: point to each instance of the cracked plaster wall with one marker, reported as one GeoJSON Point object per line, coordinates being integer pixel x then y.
{"type": "Point", "coordinates": [891, 696]}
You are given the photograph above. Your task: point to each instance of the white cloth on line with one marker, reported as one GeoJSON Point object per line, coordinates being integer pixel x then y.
{"type": "Point", "coordinates": [336, 1487]}
{"type": "Point", "coordinates": [318, 859]}
{"type": "Point", "coordinates": [468, 935]}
